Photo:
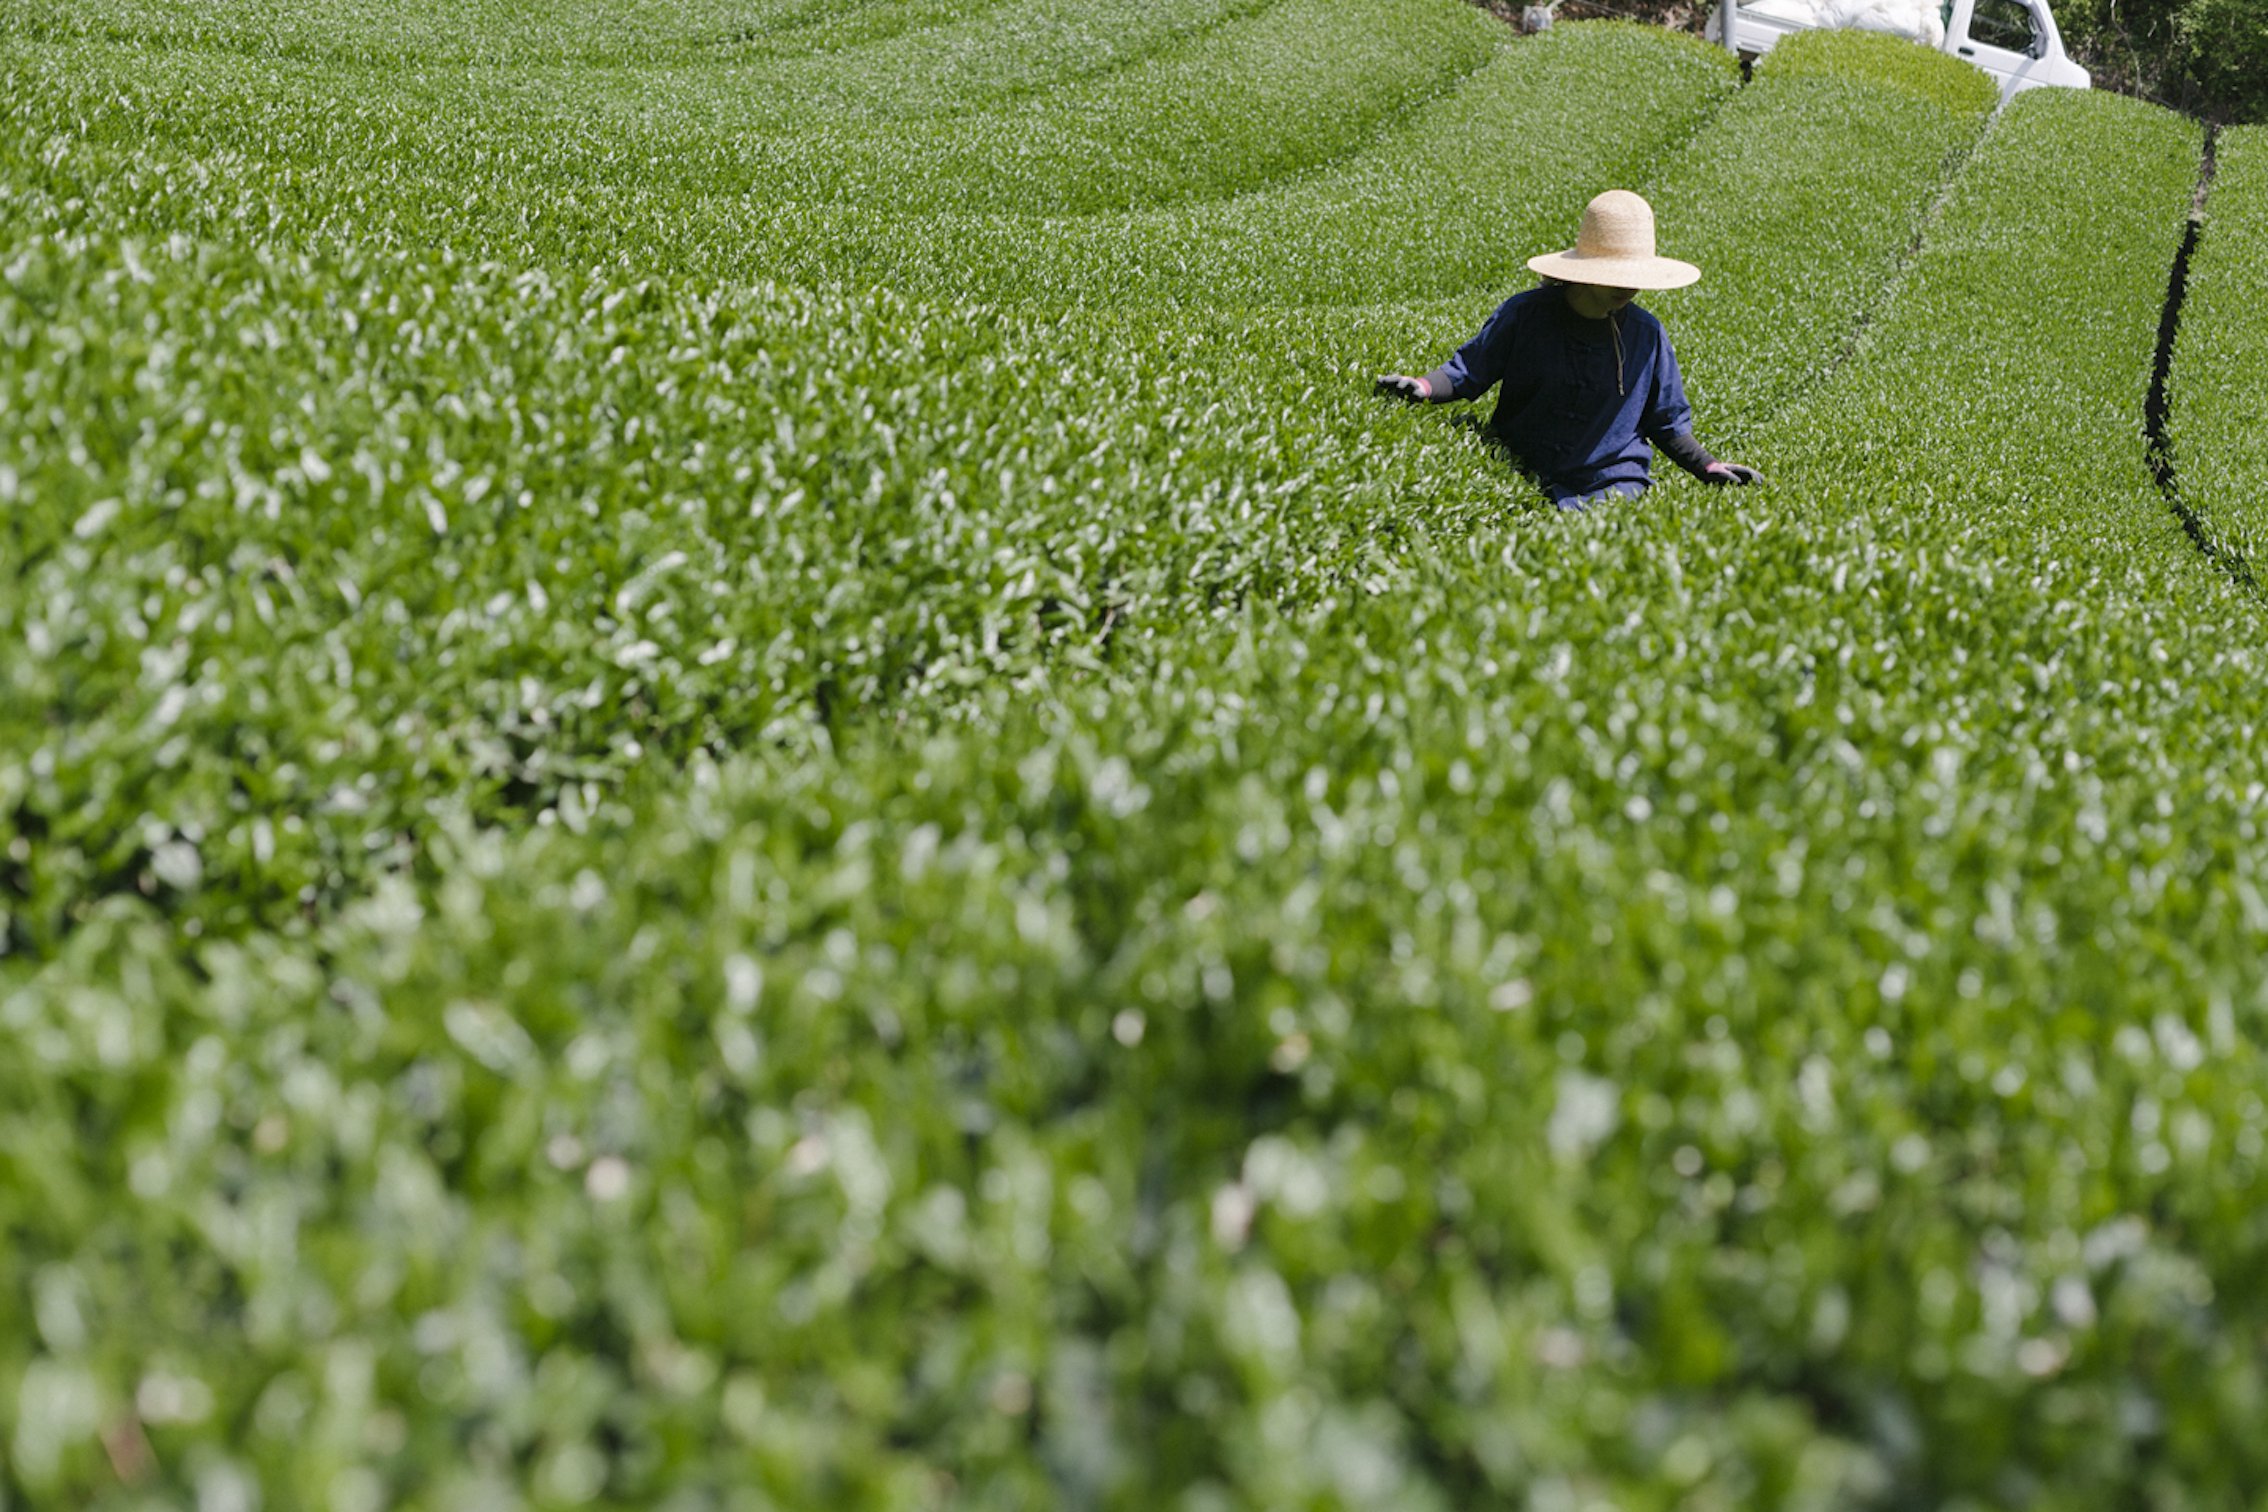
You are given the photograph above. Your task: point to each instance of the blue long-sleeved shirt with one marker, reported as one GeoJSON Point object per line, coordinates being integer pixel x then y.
{"type": "Point", "coordinates": [1570, 412]}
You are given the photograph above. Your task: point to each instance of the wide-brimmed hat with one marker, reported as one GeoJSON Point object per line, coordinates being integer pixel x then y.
{"type": "Point", "coordinates": [1615, 248]}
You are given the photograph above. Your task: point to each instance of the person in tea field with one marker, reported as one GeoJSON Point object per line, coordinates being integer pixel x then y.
{"type": "Point", "coordinates": [1590, 385]}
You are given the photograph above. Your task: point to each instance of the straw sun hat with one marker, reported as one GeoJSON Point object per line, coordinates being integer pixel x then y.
{"type": "Point", "coordinates": [1615, 249]}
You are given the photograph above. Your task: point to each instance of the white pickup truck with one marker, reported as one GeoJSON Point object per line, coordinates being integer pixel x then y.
{"type": "Point", "coordinates": [2013, 40]}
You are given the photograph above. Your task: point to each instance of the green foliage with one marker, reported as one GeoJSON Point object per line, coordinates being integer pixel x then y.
{"type": "Point", "coordinates": [1822, 224]}
{"type": "Point", "coordinates": [1880, 59]}
{"type": "Point", "coordinates": [443, 32]}
{"type": "Point", "coordinates": [1139, 132]}
{"type": "Point", "coordinates": [2207, 56]}
{"type": "Point", "coordinates": [2220, 412]}
{"type": "Point", "coordinates": [2102, 27]}
{"type": "Point", "coordinates": [533, 184]}
{"type": "Point", "coordinates": [666, 845]}
{"type": "Point", "coordinates": [2224, 47]}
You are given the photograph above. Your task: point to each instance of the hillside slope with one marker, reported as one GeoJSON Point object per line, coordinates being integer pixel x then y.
{"type": "Point", "coordinates": [743, 773]}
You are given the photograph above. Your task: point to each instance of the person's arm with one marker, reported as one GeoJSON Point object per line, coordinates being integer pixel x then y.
{"type": "Point", "coordinates": [1669, 425]}
{"type": "Point", "coordinates": [1681, 448]}
{"type": "Point", "coordinates": [1471, 371]}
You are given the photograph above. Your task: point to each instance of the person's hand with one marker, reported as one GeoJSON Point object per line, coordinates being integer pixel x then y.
{"type": "Point", "coordinates": [1401, 386]}
{"type": "Point", "coordinates": [1732, 472]}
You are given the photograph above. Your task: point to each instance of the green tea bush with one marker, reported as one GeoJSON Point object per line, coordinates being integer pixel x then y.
{"type": "Point", "coordinates": [1437, 206]}
{"type": "Point", "coordinates": [1238, 980]}
{"type": "Point", "coordinates": [593, 31]}
{"type": "Point", "coordinates": [1297, 85]}
{"type": "Point", "coordinates": [1799, 199]}
{"type": "Point", "coordinates": [1145, 131]}
{"type": "Point", "coordinates": [663, 846]}
{"type": "Point", "coordinates": [719, 78]}
{"type": "Point", "coordinates": [1999, 460]}
{"type": "Point", "coordinates": [533, 187]}
{"type": "Point", "coordinates": [286, 560]}
{"type": "Point", "coordinates": [528, 684]}
{"type": "Point", "coordinates": [2219, 420]}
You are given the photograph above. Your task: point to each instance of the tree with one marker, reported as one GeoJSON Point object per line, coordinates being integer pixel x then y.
{"type": "Point", "coordinates": [2223, 47]}
{"type": "Point", "coordinates": [2207, 56]}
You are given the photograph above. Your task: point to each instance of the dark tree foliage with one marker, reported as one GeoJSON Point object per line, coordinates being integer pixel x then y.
{"type": "Point", "coordinates": [2205, 56]}
{"type": "Point", "coordinates": [2225, 44]}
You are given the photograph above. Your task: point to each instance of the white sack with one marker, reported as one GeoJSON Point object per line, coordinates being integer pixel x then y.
{"type": "Point", "coordinates": [1920, 20]}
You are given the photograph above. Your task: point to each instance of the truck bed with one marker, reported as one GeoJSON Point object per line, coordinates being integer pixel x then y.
{"type": "Point", "coordinates": [1774, 18]}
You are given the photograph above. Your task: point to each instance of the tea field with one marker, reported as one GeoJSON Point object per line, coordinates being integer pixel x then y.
{"type": "Point", "coordinates": [738, 771]}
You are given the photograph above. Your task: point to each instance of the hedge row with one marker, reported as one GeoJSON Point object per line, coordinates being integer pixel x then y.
{"type": "Point", "coordinates": [591, 32]}
{"type": "Point", "coordinates": [402, 548]}
{"type": "Point", "coordinates": [1312, 81]}
{"type": "Point", "coordinates": [899, 902]}
{"type": "Point", "coordinates": [1398, 216]}
{"type": "Point", "coordinates": [1799, 201]}
{"type": "Point", "coordinates": [2219, 418]}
